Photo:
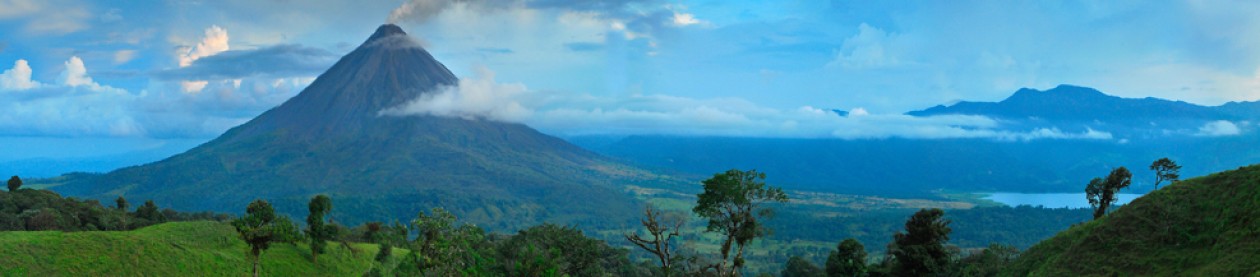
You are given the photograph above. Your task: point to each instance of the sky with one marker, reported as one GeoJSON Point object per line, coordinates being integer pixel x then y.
{"type": "Point", "coordinates": [105, 77]}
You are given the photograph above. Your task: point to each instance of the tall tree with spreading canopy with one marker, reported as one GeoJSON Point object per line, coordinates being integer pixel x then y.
{"type": "Point", "coordinates": [920, 250]}
{"type": "Point", "coordinates": [662, 228]}
{"type": "Point", "coordinates": [149, 211]}
{"type": "Point", "coordinates": [317, 229]}
{"type": "Point", "coordinates": [14, 183]}
{"type": "Point", "coordinates": [260, 227]}
{"type": "Point", "coordinates": [848, 260]}
{"type": "Point", "coordinates": [732, 201]}
{"type": "Point", "coordinates": [1166, 170]}
{"type": "Point", "coordinates": [1102, 192]}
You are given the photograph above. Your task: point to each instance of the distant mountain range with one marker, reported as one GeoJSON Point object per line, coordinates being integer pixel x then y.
{"type": "Point", "coordinates": [1142, 130]}
{"type": "Point", "coordinates": [1067, 103]}
{"type": "Point", "coordinates": [331, 139]}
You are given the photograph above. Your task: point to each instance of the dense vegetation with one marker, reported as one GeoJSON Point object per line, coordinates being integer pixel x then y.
{"type": "Point", "coordinates": [1203, 226]}
{"type": "Point", "coordinates": [25, 209]}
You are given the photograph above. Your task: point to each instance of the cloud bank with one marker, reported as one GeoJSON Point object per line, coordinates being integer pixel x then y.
{"type": "Point", "coordinates": [482, 98]}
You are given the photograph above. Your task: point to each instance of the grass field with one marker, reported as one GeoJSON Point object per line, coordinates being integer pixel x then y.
{"type": "Point", "coordinates": [170, 249]}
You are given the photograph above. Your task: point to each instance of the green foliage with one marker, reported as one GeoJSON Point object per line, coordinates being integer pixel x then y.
{"type": "Point", "coordinates": [149, 211]}
{"type": "Point", "coordinates": [1102, 192]}
{"type": "Point", "coordinates": [260, 227]}
{"type": "Point", "coordinates": [848, 260]}
{"type": "Point", "coordinates": [987, 262]}
{"type": "Point", "coordinates": [317, 231]}
{"type": "Point", "coordinates": [444, 248]}
{"type": "Point", "coordinates": [732, 201]}
{"type": "Point", "coordinates": [1165, 170]}
{"type": "Point", "coordinates": [1198, 227]}
{"type": "Point", "coordinates": [544, 247]}
{"type": "Point", "coordinates": [800, 267]}
{"type": "Point", "coordinates": [920, 250]}
{"type": "Point", "coordinates": [14, 183]}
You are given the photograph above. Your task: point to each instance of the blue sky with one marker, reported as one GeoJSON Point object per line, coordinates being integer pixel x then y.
{"type": "Point", "coordinates": [154, 71]}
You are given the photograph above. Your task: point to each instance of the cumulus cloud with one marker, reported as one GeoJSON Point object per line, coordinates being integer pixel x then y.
{"type": "Point", "coordinates": [214, 41]}
{"type": "Point", "coordinates": [18, 77]}
{"type": "Point", "coordinates": [76, 105]}
{"type": "Point", "coordinates": [476, 98]}
{"type": "Point", "coordinates": [273, 61]}
{"type": "Point", "coordinates": [1218, 128]}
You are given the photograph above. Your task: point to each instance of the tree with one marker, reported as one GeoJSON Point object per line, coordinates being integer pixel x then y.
{"type": "Point", "coordinates": [800, 267]}
{"type": "Point", "coordinates": [316, 229]}
{"type": "Point", "coordinates": [1102, 192]}
{"type": "Point", "coordinates": [848, 260]}
{"type": "Point", "coordinates": [1166, 170]}
{"type": "Point", "coordinates": [920, 250]}
{"type": "Point", "coordinates": [260, 227]}
{"type": "Point", "coordinates": [150, 212]}
{"type": "Point", "coordinates": [732, 202]}
{"type": "Point", "coordinates": [122, 205]}
{"type": "Point", "coordinates": [14, 183]}
{"type": "Point", "coordinates": [663, 229]}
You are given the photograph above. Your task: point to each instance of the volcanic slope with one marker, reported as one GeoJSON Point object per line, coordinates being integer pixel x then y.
{"type": "Point", "coordinates": [331, 138]}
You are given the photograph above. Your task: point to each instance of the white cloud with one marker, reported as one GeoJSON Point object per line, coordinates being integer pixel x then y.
{"type": "Point", "coordinates": [214, 42]}
{"type": "Point", "coordinates": [581, 114]}
{"type": "Point", "coordinates": [76, 73]}
{"type": "Point", "coordinates": [477, 98]}
{"type": "Point", "coordinates": [685, 19]}
{"type": "Point", "coordinates": [18, 77]}
{"type": "Point", "coordinates": [870, 48]}
{"type": "Point", "coordinates": [124, 56]}
{"type": "Point", "coordinates": [1218, 128]}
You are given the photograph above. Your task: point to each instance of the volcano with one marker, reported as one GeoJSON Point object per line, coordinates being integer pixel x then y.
{"type": "Point", "coordinates": [332, 139]}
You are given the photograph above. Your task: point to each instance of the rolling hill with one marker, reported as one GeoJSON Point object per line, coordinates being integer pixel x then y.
{"type": "Point", "coordinates": [171, 249]}
{"type": "Point", "coordinates": [332, 139]}
{"type": "Point", "coordinates": [1205, 226]}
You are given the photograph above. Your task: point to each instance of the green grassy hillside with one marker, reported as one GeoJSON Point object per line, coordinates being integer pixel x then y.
{"type": "Point", "coordinates": [1207, 226]}
{"type": "Point", "coordinates": [171, 249]}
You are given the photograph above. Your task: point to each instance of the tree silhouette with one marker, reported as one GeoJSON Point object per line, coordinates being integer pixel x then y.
{"type": "Point", "coordinates": [663, 229]}
{"type": "Point", "coordinates": [1166, 170]}
{"type": "Point", "coordinates": [1102, 192]}
{"type": "Point", "coordinates": [316, 229]}
{"type": "Point", "coordinates": [14, 183]}
{"type": "Point", "coordinates": [260, 227]}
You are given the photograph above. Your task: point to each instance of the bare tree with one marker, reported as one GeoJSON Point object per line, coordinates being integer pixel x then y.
{"type": "Point", "coordinates": [662, 229]}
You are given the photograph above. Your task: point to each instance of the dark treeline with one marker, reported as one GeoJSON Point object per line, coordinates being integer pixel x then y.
{"type": "Point", "coordinates": [25, 209]}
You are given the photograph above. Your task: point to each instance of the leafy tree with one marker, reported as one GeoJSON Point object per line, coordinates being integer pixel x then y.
{"type": "Point", "coordinates": [1102, 192]}
{"type": "Point", "coordinates": [1166, 170]}
{"type": "Point", "coordinates": [800, 267]}
{"type": "Point", "coordinates": [444, 248]}
{"type": "Point", "coordinates": [316, 229]}
{"type": "Point", "coordinates": [14, 183]}
{"type": "Point", "coordinates": [920, 250]}
{"type": "Point", "coordinates": [149, 211]}
{"type": "Point", "coordinates": [260, 227]}
{"type": "Point", "coordinates": [663, 229]}
{"type": "Point", "coordinates": [732, 202]}
{"type": "Point", "coordinates": [848, 260]}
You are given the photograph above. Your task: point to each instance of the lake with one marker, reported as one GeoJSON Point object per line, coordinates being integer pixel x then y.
{"type": "Point", "coordinates": [1052, 200]}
